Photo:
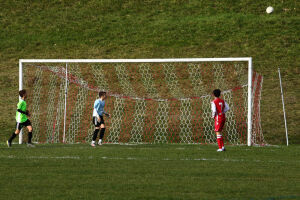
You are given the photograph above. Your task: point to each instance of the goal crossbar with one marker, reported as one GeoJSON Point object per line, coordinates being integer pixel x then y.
{"type": "Point", "coordinates": [161, 60]}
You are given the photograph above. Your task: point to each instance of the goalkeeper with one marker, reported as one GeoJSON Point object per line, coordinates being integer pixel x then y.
{"type": "Point", "coordinates": [22, 120]}
{"type": "Point", "coordinates": [98, 120]}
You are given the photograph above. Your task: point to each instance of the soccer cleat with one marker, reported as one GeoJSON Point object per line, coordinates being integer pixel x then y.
{"type": "Point", "coordinates": [100, 142]}
{"type": "Point", "coordinates": [223, 148]}
{"type": "Point", "coordinates": [30, 145]}
{"type": "Point", "coordinates": [219, 150]}
{"type": "Point", "coordinates": [8, 143]}
{"type": "Point", "coordinates": [93, 144]}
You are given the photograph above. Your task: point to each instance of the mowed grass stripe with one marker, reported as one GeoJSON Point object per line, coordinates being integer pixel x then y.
{"type": "Point", "coordinates": [143, 159]}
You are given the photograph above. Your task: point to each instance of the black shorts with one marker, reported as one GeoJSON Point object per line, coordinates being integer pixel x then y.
{"type": "Point", "coordinates": [96, 122]}
{"type": "Point", "coordinates": [19, 126]}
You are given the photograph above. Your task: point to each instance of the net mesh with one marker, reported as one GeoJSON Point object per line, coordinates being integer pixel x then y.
{"type": "Point", "coordinates": [148, 102]}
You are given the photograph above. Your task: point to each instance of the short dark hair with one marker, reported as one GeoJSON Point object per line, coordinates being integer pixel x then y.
{"type": "Point", "coordinates": [22, 93]}
{"type": "Point", "coordinates": [102, 93]}
{"type": "Point", "coordinates": [217, 92]}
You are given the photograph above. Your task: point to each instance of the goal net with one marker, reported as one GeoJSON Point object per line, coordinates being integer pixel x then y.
{"type": "Point", "coordinates": [150, 100]}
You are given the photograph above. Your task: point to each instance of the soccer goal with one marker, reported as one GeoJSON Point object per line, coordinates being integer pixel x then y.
{"type": "Point", "coordinates": [150, 100]}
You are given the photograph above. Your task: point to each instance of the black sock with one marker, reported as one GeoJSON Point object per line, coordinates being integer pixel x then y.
{"type": "Point", "coordinates": [29, 137]}
{"type": "Point", "coordinates": [95, 134]}
{"type": "Point", "coordinates": [12, 137]}
{"type": "Point", "coordinates": [102, 133]}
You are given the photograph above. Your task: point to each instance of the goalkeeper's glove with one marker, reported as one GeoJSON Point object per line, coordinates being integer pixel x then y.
{"type": "Point", "coordinates": [106, 114]}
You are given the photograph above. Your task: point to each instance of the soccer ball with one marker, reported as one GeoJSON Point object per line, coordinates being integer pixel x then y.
{"type": "Point", "coordinates": [269, 9]}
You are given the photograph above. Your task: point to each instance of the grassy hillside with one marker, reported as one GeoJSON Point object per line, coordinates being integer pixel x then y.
{"type": "Point", "coordinates": [158, 29]}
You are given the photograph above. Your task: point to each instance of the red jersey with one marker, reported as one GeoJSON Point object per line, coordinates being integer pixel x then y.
{"type": "Point", "coordinates": [219, 107]}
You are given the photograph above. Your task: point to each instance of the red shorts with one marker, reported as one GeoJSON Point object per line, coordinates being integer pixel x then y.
{"type": "Point", "coordinates": [219, 124]}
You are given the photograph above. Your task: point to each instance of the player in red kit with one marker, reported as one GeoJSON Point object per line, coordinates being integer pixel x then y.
{"type": "Point", "coordinates": [219, 107]}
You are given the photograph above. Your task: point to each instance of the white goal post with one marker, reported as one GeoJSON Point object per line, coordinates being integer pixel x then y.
{"type": "Point", "coordinates": [66, 62]}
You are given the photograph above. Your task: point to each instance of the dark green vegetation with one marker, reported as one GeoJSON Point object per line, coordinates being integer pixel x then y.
{"type": "Point", "coordinates": [149, 172]}
{"type": "Point", "coordinates": [158, 29]}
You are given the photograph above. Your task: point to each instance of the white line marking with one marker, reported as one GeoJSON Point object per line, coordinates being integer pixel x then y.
{"type": "Point", "coordinates": [42, 157]}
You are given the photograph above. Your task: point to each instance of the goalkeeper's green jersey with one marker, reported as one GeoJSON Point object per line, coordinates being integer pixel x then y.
{"type": "Point", "coordinates": [20, 117]}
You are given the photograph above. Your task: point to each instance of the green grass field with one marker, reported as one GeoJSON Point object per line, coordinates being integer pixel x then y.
{"type": "Point", "coordinates": [173, 171]}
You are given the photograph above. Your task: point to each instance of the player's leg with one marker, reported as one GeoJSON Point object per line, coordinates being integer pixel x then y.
{"type": "Point", "coordinates": [219, 140]}
{"type": "Point", "coordinates": [218, 128]}
{"type": "Point", "coordinates": [96, 131]}
{"type": "Point", "coordinates": [218, 133]}
{"type": "Point", "coordinates": [14, 134]}
{"type": "Point", "coordinates": [102, 130]}
{"type": "Point", "coordinates": [29, 127]}
{"type": "Point", "coordinates": [221, 128]}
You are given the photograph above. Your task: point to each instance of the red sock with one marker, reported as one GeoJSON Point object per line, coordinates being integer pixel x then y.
{"type": "Point", "coordinates": [219, 140]}
{"type": "Point", "coordinates": [222, 141]}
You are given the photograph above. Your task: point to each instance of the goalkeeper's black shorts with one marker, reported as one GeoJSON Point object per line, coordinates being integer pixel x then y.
{"type": "Point", "coordinates": [96, 122]}
{"type": "Point", "coordinates": [19, 125]}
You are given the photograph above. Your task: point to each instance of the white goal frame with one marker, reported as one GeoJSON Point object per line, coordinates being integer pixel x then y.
{"type": "Point", "coordinates": [162, 60]}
